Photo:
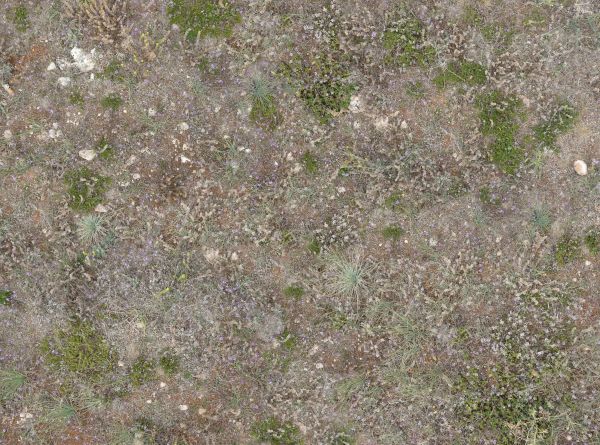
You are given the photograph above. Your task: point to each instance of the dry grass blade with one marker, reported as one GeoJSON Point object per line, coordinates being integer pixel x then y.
{"type": "Point", "coordinates": [106, 18]}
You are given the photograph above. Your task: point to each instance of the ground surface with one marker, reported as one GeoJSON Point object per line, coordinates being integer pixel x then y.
{"type": "Point", "coordinates": [286, 222]}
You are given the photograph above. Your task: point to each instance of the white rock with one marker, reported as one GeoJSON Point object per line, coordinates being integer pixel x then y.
{"type": "Point", "coordinates": [184, 160]}
{"type": "Point", "coordinates": [151, 112]}
{"type": "Point", "coordinates": [84, 61]}
{"type": "Point", "coordinates": [7, 135]}
{"type": "Point", "coordinates": [580, 167]}
{"type": "Point", "coordinates": [51, 67]}
{"type": "Point", "coordinates": [88, 155]}
{"type": "Point", "coordinates": [183, 407]}
{"type": "Point", "coordinates": [201, 411]}
{"type": "Point", "coordinates": [183, 126]}
{"type": "Point", "coordinates": [100, 209]}
{"type": "Point", "coordinates": [136, 176]}
{"type": "Point", "coordinates": [64, 81]}
{"type": "Point", "coordinates": [355, 104]}
{"type": "Point", "coordinates": [404, 125]}
{"type": "Point", "coordinates": [381, 123]}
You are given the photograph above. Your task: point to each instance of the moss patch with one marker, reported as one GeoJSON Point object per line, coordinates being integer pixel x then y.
{"type": "Point", "coordinates": [277, 432]}
{"type": "Point", "coordinates": [561, 120]}
{"type": "Point", "coordinates": [203, 18]}
{"type": "Point", "coordinates": [405, 41]}
{"type": "Point", "coordinates": [80, 349]}
{"type": "Point", "coordinates": [85, 188]}
{"type": "Point", "coordinates": [470, 73]}
{"type": "Point", "coordinates": [499, 116]}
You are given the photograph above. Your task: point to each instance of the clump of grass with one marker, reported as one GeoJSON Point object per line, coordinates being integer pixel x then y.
{"type": "Point", "coordinates": [314, 246]}
{"type": "Point", "coordinates": [10, 382]}
{"type": "Point", "coordinates": [542, 220]}
{"type": "Point", "coordinates": [80, 349]}
{"type": "Point", "coordinates": [310, 163]}
{"type": "Point", "coordinates": [85, 188]}
{"type": "Point", "coordinates": [104, 149]}
{"type": "Point", "coordinates": [342, 437]}
{"type": "Point", "coordinates": [348, 277]}
{"type": "Point", "coordinates": [169, 363]}
{"type": "Point", "coordinates": [276, 432]}
{"type": "Point", "coordinates": [264, 109]}
{"type": "Point", "coordinates": [203, 18]}
{"type": "Point", "coordinates": [90, 229]}
{"type": "Point", "coordinates": [561, 120]}
{"type": "Point", "coordinates": [393, 233]}
{"type": "Point", "coordinates": [592, 241]}
{"type": "Point", "coordinates": [142, 371]}
{"type": "Point", "coordinates": [5, 297]}
{"type": "Point", "coordinates": [294, 291]}
{"type": "Point", "coordinates": [106, 19]}
{"type": "Point", "coordinates": [112, 101]}
{"type": "Point", "coordinates": [322, 84]}
{"type": "Point", "coordinates": [466, 72]}
{"type": "Point", "coordinates": [21, 18]}
{"type": "Point", "coordinates": [487, 197]}
{"type": "Point", "coordinates": [499, 116]}
{"type": "Point", "coordinates": [113, 71]}
{"type": "Point", "coordinates": [394, 202]}
{"type": "Point", "coordinates": [416, 89]}
{"type": "Point", "coordinates": [76, 98]}
{"type": "Point", "coordinates": [287, 340]}
{"type": "Point", "coordinates": [567, 249]}
{"type": "Point", "coordinates": [532, 339]}
{"type": "Point", "coordinates": [405, 41]}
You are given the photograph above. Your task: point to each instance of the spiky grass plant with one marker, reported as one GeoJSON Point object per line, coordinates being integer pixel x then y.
{"type": "Point", "coordinates": [10, 382]}
{"type": "Point", "coordinates": [264, 110]}
{"type": "Point", "coordinates": [348, 277]}
{"type": "Point", "coordinates": [91, 229]}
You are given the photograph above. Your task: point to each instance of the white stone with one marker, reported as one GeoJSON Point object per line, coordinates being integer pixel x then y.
{"type": "Point", "coordinates": [64, 81]}
{"type": "Point", "coordinates": [580, 167]}
{"type": "Point", "coordinates": [183, 126]}
{"type": "Point", "coordinates": [88, 155]}
{"type": "Point", "coordinates": [7, 135]}
{"type": "Point", "coordinates": [184, 160]}
{"type": "Point", "coordinates": [183, 407]}
{"type": "Point", "coordinates": [355, 104]}
{"type": "Point", "coordinates": [51, 67]}
{"type": "Point", "coordinates": [100, 209]}
{"type": "Point", "coordinates": [84, 61]}
{"type": "Point", "coordinates": [151, 112]}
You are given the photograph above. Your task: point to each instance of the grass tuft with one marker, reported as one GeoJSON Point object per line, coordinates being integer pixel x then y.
{"type": "Point", "coordinates": [85, 188]}
{"type": "Point", "coordinates": [90, 229]}
{"type": "Point", "coordinates": [276, 432]}
{"type": "Point", "coordinates": [470, 73]}
{"type": "Point", "coordinates": [561, 120]}
{"type": "Point", "coordinates": [203, 18]}
{"type": "Point", "coordinates": [264, 110]}
{"type": "Point", "coordinates": [10, 382]}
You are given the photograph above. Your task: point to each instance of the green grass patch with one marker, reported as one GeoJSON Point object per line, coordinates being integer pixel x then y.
{"type": "Point", "coordinates": [405, 42]}
{"type": "Point", "coordinates": [592, 241]}
{"type": "Point", "coordinates": [393, 233]}
{"type": "Point", "coordinates": [112, 101]}
{"type": "Point", "coordinates": [294, 291]}
{"type": "Point", "coordinates": [310, 163]}
{"type": "Point", "coordinates": [203, 18]}
{"type": "Point", "coordinates": [466, 72]}
{"type": "Point", "coordinates": [85, 188]}
{"type": "Point", "coordinates": [80, 349]}
{"type": "Point", "coordinates": [541, 219]}
{"type": "Point", "coordinates": [104, 149]}
{"type": "Point", "coordinates": [10, 382]}
{"type": "Point", "coordinates": [169, 363]}
{"type": "Point", "coordinates": [500, 121]}
{"type": "Point", "coordinates": [76, 98]}
{"type": "Point", "coordinates": [567, 249]}
{"type": "Point", "coordinates": [560, 121]}
{"type": "Point", "coordinates": [114, 71]}
{"type": "Point", "coordinates": [142, 371]}
{"type": "Point", "coordinates": [5, 297]}
{"type": "Point", "coordinates": [322, 83]}
{"type": "Point", "coordinates": [314, 246]}
{"type": "Point", "coordinates": [276, 432]}
{"type": "Point", "coordinates": [21, 18]}
{"type": "Point", "coordinates": [264, 109]}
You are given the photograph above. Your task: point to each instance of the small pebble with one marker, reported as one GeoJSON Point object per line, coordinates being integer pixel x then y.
{"type": "Point", "coordinates": [51, 67]}
{"type": "Point", "coordinates": [100, 209]}
{"type": "Point", "coordinates": [183, 407]}
{"type": "Point", "coordinates": [64, 81]}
